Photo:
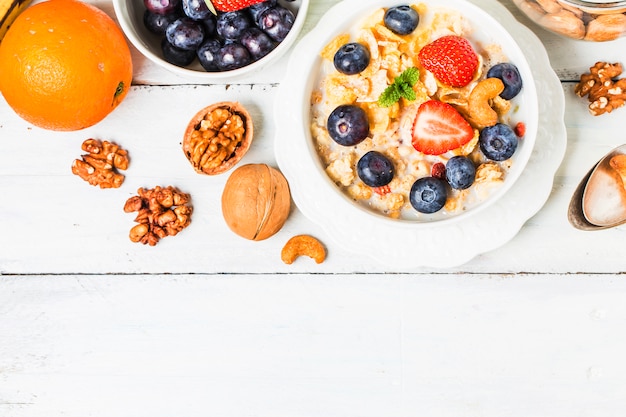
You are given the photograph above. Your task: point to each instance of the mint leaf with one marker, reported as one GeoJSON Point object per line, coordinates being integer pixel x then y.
{"type": "Point", "coordinates": [389, 96]}
{"type": "Point", "coordinates": [402, 87]}
{"type": "Point", "coordinates": [410, 76]}
{"type": "Point", "coordinates": [407, 92]}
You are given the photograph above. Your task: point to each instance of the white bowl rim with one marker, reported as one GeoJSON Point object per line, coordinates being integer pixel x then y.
{"type": "Point", "coordinates": [121, 11]}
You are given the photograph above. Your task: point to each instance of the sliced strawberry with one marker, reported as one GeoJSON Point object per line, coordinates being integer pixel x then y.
{"type": "Point", "coordinates": [439, 128]}
{"type": "Point", "coordinates": [232, 5]}
{"type": "Point", "coordinates": [451, 59]}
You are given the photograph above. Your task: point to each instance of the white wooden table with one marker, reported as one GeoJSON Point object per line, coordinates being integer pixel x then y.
{"type": "Point", "coordinates": [208, 324]}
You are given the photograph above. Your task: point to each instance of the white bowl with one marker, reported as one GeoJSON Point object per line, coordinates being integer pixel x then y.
{"type": "Point", "coordinates": [417, 243]}
{"type": "Point", "coordinates": [303, 75]}
{"type": "Point", "coordinates": [130, 16]}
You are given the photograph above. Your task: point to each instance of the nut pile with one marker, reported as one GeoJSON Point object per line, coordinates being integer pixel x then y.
{"type": "Point", "coordinates": [574, 22]}
{"type": "Point", "coordinates": [101, 164]}
{"type": "Point", "coordinates": [218, 137]}
{"type": "Point", "coordinates": [604, 91]}
{"type": "Point", "coordinates": [160, 211]}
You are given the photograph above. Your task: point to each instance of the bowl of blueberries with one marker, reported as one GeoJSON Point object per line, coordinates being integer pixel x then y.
{"type": "Point", "coordinates": [211, 39]}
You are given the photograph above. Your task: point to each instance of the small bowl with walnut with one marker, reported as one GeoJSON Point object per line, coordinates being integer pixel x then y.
{"type": "Point", "coordinates": [217, 137]}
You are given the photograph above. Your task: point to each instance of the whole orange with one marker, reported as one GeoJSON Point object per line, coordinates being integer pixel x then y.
{"type": "Point", "coordinates": [64, 65]}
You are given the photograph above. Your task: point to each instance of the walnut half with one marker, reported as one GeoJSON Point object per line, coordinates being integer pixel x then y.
{"type": "Point", "coordinates": [101, 164]}
{"type": "Point", "coordinates": [604, 91]}
{"type": "Point", "coordinates": [217, 137]}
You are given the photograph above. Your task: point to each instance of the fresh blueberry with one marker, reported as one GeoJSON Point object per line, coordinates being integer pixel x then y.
{"type": "Point", "coordinates": [460, 172]}
{"type": "Point", "coordinates": [177, 56]}
{"type": "Point", "coordinates": [348, 125]}
{"type": "Point", "coordinates": [351, 58]}
{"type": "Point", "coordinates": [498, 142]}
{"type": "Point", "coordinates": [401, 19]}
{"type": "Point", "coordinates": [255, 10]}
{"type": "Point", "coordinates": [185, 33]}
{"type": "Point", "coordinates": [196, 9]}
{"type": "Point", "coordinates": [257, 42]}
{"type": "Point", "coordinates": [231, 25]}
{"type": "Point", "coordinates": [210, 25]}
{"type": "Point", "coordinates": [207, 54]}
{"type": "Point", "coordinates": [510, 76]}
{"type": "Point", "coordinates": [161, 6]}
{"type": "Point", "coordinates": [428, 194]}
{"type": "Point", "coordinates": [158, 23]}
{"type": "Point", "coordinates": [232, 56]}
{"type": "Point", "coordinates": [276, 21]}
{"type": "Point", "coordinates": [375, 169]}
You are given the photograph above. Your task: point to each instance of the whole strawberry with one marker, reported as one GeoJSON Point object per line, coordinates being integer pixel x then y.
{"type": "Point", "coordinates": [451, 59]}
{"type": "Point", "coordinates": [230, 5]}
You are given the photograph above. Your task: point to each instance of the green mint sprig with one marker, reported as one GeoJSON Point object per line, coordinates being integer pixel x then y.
{"type": "Point", "coordinates": [402, 86]}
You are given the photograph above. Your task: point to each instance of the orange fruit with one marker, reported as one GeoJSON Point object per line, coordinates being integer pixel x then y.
{"type": "Point", "coordinates": [64, 65]}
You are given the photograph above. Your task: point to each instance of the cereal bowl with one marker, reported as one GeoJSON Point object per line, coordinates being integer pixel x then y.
{"type": "Point", "coordinates": [308, 151]}
{"type": "Point", "coordinates": [130, 14]}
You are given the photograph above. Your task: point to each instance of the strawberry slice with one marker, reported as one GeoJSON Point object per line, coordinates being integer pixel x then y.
{"type": "Point", "coordinates": [439, 128]}
{"type": "Point", "coordinates": [451, 59]}
{"type": "Point", "coordinates": [231, 5]}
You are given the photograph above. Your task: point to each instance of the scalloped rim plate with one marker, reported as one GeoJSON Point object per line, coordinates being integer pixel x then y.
{"type": "Point", "coordinates": [443, 245]}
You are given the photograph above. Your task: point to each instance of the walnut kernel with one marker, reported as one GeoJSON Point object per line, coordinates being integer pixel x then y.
{"type": "Point", "coordinates": [217, 137]}
{"type": "Point", "coordinates": [604, 91]}
{"type": "Point", "coordinates": [160, 211]}
{"type": "Point", "coordinates": [100, 166]}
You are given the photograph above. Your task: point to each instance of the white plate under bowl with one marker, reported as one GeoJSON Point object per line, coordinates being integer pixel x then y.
{"type": "Point", "coordinates": [402, 244]}
{"type": "Point", "coordinates": [130, 16]}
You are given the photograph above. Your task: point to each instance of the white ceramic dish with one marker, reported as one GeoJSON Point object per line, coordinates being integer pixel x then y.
{"type": "Point", "coordinates": [130, 16]}
{"type": "Point", "coordinates": [412, 244]}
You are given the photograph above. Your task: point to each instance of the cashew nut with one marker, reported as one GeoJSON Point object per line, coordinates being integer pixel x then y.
{"type": "Point", "coordinates": [303, 245]}
{"type": "Point", "coordinates": [479, 103]}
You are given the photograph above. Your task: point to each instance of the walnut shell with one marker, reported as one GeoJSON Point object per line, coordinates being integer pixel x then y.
{"type": "Point", "coordinates": [214, 145]}
{"type": "Point", "coordinates": [256, 201]}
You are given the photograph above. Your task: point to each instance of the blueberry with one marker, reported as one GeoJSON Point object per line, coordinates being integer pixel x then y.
{"type": "Point", "coordinates": [257, 42]}
{"type": "Point", "coordinates": [348, 125]}
{"type": "Point", "coordinates": [428, 194]}
{"type": "Point", "coordinates": [207, 54]}
{"type": "Point", "coordinates": [196, 9]}
{"type": "Point", "coordinates": [460, 172]}
{"type": "Point", "coordinates": [161, 6]}
{"type": "Point", "coordinates": [375, 169]}
{"type": "Point", "coordinates": [255, 10]}
{"type": "Point", "coordinates": [498, 142]}
{"type": "Point", "coordinates": [177, 56]}
{"type": "Point", "coordinates": [351, 58]}
{"type": "Point", "coordinates": [232, 56]}
{"type": "Point", "coordinates": [158, 23]}
{"type": "Point", "coordinates": [510, 76]}
{"type": "Point", "coordinates": [185, 33]}
{"type": "Point", "coordinates": [401, 19]}
{"type": "Point", "coordinates": [276, 21]}
{"type": "Point", "coordinates": [231, 25]}
{"type": "Point", "coordinates": [210, 26]}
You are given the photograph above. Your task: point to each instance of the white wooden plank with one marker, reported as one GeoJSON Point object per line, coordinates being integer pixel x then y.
{"type": "Point", "coordinates": [250, 345]}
